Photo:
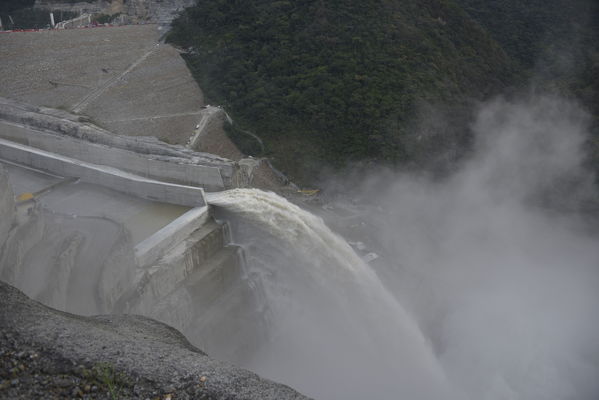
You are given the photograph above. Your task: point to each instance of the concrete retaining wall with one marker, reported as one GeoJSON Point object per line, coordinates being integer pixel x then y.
{"type": "Point", "coordinates": [152, 248]}
{"type": "Point", "coordinates": [145, 156]}
{"type": "Point", "coordinates": [186, 174]}
{"type": "Point", "coordinates": [174, 268]}
{"type": "Point", "coordinates": [101, 175]}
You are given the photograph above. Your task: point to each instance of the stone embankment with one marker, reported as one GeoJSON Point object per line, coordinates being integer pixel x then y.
{"type": "Point", "coordinates": [56, 353]}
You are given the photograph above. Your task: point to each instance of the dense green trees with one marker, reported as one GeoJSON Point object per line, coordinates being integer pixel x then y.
{"type": "Point", "coordinates": [336, 80]}
{"type": "Point", "coordinates": [341, 79]}
{"type": "Point", "coordinates": [527, 29]}
{"type": "Point", "coordinates": [555, 41]}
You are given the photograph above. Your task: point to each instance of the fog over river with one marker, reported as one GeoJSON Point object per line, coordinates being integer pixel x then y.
{"type": "Point", "coordinates": [487, 287]}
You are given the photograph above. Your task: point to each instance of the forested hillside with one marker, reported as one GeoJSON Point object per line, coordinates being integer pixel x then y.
{"type": "Point", "coordinates": [327, 82]}
{"type": "Point", "coordinates": [555, 41]}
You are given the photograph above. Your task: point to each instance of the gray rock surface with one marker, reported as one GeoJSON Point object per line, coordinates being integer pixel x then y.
{"type": "Point", "coordinates": [153, 354]}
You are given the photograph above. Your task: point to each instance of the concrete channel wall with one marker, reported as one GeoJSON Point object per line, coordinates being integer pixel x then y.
{"type": "Point", "coordinates": [63, 133]}
{"type": "Point", "coordinates": [187, 174]}
{"type": "Point", "coordinates": [152, 248]}
{"type": "Point", "coordinates": [102, 175]}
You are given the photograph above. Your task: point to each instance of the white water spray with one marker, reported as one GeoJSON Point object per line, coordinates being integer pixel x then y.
{"type": "Point", "coordinates": [337, 331]}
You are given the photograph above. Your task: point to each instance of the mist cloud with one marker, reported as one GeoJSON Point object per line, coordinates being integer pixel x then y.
{"type": "Point", "coordinates": [497, 263]}
{"type": "Point", "coordinates": [487, 283]}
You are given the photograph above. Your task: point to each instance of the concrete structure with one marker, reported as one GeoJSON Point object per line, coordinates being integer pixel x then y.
{"type": "Point", "coordinates": [200, 287]}
{"type": "Point", "coordinates": [64, 133]}
{"type": "Point", "coordinates": [181, 272]}
{"type": "Point", "coordinates": [132, 233]}
{"type": "Point", "coordinates": [152, 248]}
{"type": "Point", "coordinates": [101, 175]}
{"type": "Point", "coordinates": [141, 164]}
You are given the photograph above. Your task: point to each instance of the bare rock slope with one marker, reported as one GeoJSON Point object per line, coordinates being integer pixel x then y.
{"type": "Point", "coordinates": [153, 358]}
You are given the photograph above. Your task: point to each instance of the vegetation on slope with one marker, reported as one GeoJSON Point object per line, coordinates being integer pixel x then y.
{"type": "Point", "coordinates": [338, 80]}
{"type": "Point", "coordinates": [556, 41]}
{"type": "Point", "coordinates": [528, 30]}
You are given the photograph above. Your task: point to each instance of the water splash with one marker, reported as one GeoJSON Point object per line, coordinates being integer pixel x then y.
{"type": "Point", "coordinates": [337, 331]}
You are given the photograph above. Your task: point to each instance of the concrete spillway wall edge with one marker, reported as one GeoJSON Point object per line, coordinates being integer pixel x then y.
{"type": "Point", "coordinates": [152, 248]}
{"type": "Point", "coordinates": [101, 175]}
{"type": "Point", "coordinates": [141, 164]}
{"type": "Point", "coordinates": [63, 133]}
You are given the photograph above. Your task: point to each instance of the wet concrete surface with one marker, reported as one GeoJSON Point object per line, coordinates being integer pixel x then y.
{"type": "Point", "coordinates": [75, 231]}
{"type": "Point", "coordinates": [46, 267]}
{"type": "Point", "coordinates": [27, 180]}
{"type": "Point", "coordinates": [141, 217]}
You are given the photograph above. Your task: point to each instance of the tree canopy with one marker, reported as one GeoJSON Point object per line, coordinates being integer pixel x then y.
{"type": "Point", "coordinates": [337, 80]}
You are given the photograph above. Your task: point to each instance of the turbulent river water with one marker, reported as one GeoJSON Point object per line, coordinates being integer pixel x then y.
{"type": "Point", "coordinates": [490, 275]}
{"type": "Point", "coordinates": [337, 332]}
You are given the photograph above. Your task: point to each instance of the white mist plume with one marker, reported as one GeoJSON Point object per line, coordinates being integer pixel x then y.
{"type": "Point", "coordinates": [497, 265]}
{"type": "Point", "coordinates": [337, 331]}
{"type": "Point", "coordinates": [497, 269]}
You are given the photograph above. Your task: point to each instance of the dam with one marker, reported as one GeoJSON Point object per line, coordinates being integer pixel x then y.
{"type": "Point", "coordinates": [103, 206]}
{"type": "Point", "coordinates": [115, 199]}
{"type": "Point", "coordinates": [88, 236]}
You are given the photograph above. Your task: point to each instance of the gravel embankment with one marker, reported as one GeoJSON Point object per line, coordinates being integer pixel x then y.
{"type": "Point", "coordinates": [30, 371]}
{"type": "Point", "coordinates": [45, 353]}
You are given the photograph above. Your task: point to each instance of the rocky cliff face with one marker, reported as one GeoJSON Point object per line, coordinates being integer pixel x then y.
{"type": "Point", "coordinates": [150, 359]}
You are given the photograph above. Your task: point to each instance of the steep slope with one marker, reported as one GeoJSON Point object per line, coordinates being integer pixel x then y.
{"type": "Point", "coordinates": [144, 358]}
{"type": "Point", "coordinates": [336, 81]}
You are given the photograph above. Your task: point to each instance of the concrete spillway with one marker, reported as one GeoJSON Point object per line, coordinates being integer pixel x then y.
{"type": "Point", "coordinates": [91, 224]}
{"type": "Point", "coordinates": [97, 215]}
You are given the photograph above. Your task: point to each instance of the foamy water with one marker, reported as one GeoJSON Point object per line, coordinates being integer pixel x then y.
{"type": "Point", "coordinates": [337, 331]}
